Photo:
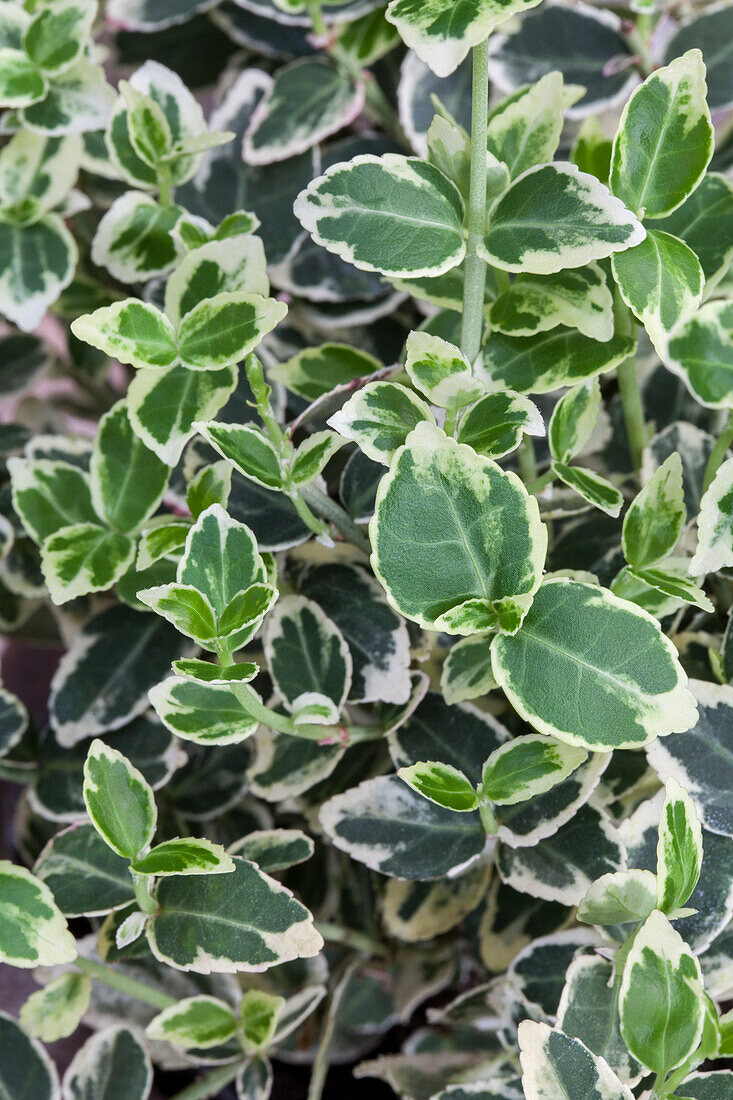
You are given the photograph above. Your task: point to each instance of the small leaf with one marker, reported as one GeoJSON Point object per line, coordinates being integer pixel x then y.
{"type": "Point", "coordinates": [496, 423]}
{"type": "Point", "coordinates": [21, 83]}
{"type": "Point", "coordinates": [553, 217]}
{"type": "Point", "coordinates": [247, 609]}
{"type": "Point", "coordinates": [222, 330]}
{"type": "Point", "coordinates": [440, 371]}
{"type": "Point", "coordinates": [573, 420]}
{"type": "Point", "coordinates": [211, 485]}
{"type": "Point", "coordinates": [591, 487]}
{"type": "Point", "coordinates": [248, 449]}
{"type": "Point", "coordinates": [314, 708]}
{"type": "Point", "coordinates": [441, 783]}
{"type": "Point", "coordinates": [525, 129]}
{"type": "Point", "coordinates": [55, 1011]}
{"type": "Point", "coordinates": [700, 351]}
{"type": "Point", "coordinates": [234, 264]}
{"type": "Point", "coordinates": [187, 608]}
{"type": "Point", "coordinates": [214, 674]}
{"type": "Point", "coordinates": [371, 211]}
{"type": "Point", "coordinates": [128, 480]}
{"type": "Point", "coordinates": [84, 558]}
{"type": "Point", "coordinates": [259, 1013]}
{"type": "Point", "coordinates": [147, 125]}
{"type": "Point", "coordinates": [132, 332]}
{"type": "Point", "coordinates": [527, 766]}
{"type": "Point", "coordinates": [119, 801]}
{"type": "Point", "coordinates": [655, 519]}
{"type": "Point", "coordinates": [555, 1065]}
{"type": "Point", "coordinates": [661, 997]}
{"type": "Point", "coordinates": [379, 417]}
{"type": "Point", "coordinates": [306, 652]}
{"type": "Point", "coordinates": [204, 712]}
{"type": "Point", "coordinates": [313, 455]}
{"type": "Point", "coordinates": [679, 850]}
{"type": "Point", "coordinates": [33, 932]}
{"type": "Point", "coordinates": [56, 36]}
{"type": "Point", "coordinates": [654, 177]}
{"type": "Point", "coordinates": [715, 525]}
{"type": "Point", "coordinates": [314, 372]}
{"type": "Point", "coordinates": [108, 1058]}
{"type": "Point", "coordinates": [195, 1022]}
{"type": "Point", "coordinates": [184, 856]}
{"type": "Point", "coordinates": [675, 585]}
{"type": "Point", "coordinates": [577, 298]}
{"type": "Point", "coordinates": [622, 897]}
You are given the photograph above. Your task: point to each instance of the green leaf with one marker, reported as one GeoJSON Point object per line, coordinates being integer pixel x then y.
{"type": "Point", "coordinates": [392, 829]}
{"type": "Point", "coordinates": [313, 455]}
{"type": "Point", "coordinates": [556, 1066]}
{"type": "Point", "coordinates": [119, 800]}
{"type": "Point", "coordinates": [274, 849]}
{"type": "Point", "coordinates": [616, 665]}
{"type": "Point", "coordinates": [113, 1063]}
{"type": "Point", "coordinates": [379, 417]}
{"type": "Point", "coordinates": [78, 101]}
{"type": "Point", "coordinates": [205, 713]}
{"type": "Point", "coordinates": [48, 495]}
{"type": "Point", "coordinates": [429, 552]}
{"type": "Point", "coordinates": [700, 351]}
{"type": "Point", "coordinates": [147, 125]}
{"type": "Point", "coordinates": [592, 149]}
{"type": "Point", "coordinates": [259, 1012]}
{"type": "Point", "coordinates": [314, 372]}
{"type": "Point", "coordinates": [44, 259]}
{"type": "Point", "coordinates": [21, 83]}
{"type": "Point", "coordinates": [57, 36]}
{"type": "Point", "coordinates": [84, 875]}
{"type": "Point", "coordinates": [33, 931]}
{"type": "Point", "coordinates": [573, 420]}
{"type": "Point", "coordinates": [13, 721]}
{"type": "Point", "coordinates": [654, 177]}
{"type": "Point", "coordinates": [527, 766]}
{"type": "Point", "coordinates": [705, 223]}
{"type": "Point", "coordinates": [440, 371]}
{"type": "Point", "coordinates": [229, 923]}
{"type": "Point", "coordinates": [55, 1011]}
{"type": "Point", "coordinates": [306, 652]}
{"type": "Point", "coordinates": [548, 360]}
{"type": "Point", "coordinates": [467, 672]}
{"type": "Point", "coordinates": [656, 517]}
{"type": "Point", "coordinates": [233, 265]}
{"type": "Point", "coordinates": [441, 783]}
{"type": "Point", "coordinates": [163, 406]}
{"type": "Point", "coordinates": [588, 1011]}
{"type": "Point", "coordinates": [248, 449]}
{"type": "Point", "coordinates": [211, 485]}
{"type": "Point", "coordinates": [554, 216]}
{"type": "Point", "coordinates": [195, 1022]}
{"type": "Point", "coordinates": [675, 585]}
{"type": "Point", "coordinates": [254, 1079]}
{"type": "Point", "coordinates": [372, 212]}
{"type": "Point", "coordinates": [679, 851]}
{"type": "Point", "coordinates": [715, 524]}
{"type": "Point", "coordinates": [184, 856]}
{"type": "Point", "coordinates": [187, 608]}
{"type": "Point", "coordinates": [132, 332]}
{"type": "Point", "coordinates": [209, 673]}
{"type": "Point", "coordinates": [221, 558]}
{"type": "Point", "coordinates": [26, 1067]}
{"type": "Point", "coordinates": [577, 298]}
{"type": "Point", "coordinates": [661, 997]}
{"type": "Point", "coordinates": [84, 558]}
{"type": "Point", "coordinates": [622, 897]}
{"type": "Point", "coordinates": [525, 129]}
{"type": "Point", "coordinates": [38, 171]}
{"type": "Point", "coordinates": [593, 488]}
{"type": "Point", "coordinates": [128, 480]}
{"type": "Point", "coordinates": [661, 281]}
{"type": "Point", "coordinates": [561, 867]}
{"type": "Point", "coordinates": [133, 240]}
{"type": "Point", "coordinates": [496, 423]}
{"type": "Point", "coordinates": [308, 100]}
{"type": "Point", "coordinates": [222, 330]}
{"type": "Point", "coordinates": [441, 34]}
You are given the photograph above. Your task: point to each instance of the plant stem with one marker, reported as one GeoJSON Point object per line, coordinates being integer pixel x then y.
{"type": "Point", "coordinates": [329, 510]}
{"type": "Point", "coordinates": [165, 187]}
{"type": "Point", "coordinates": [628, 384]}
{"type": "Point", "coordinates": [320, 1065]}
{"type": "Point", "coordinates": [336, 933]}
{"type": "Point", "coordinates": [142, 884]}
{"type": "Point", "coordinates": [718, 453]}
{"type": "Point", "coordinates": [527, 461]}
{"type": "Point", "coordinates": [141, 991]}
{"type": "Point", "coordinates": [475, 267]}
{"type": "Point", "coordinates": [541, 482]}
{"type": "Point", "coordinates": [210, 1084]}
{"type": "Point", "coordinates": [312, 522]}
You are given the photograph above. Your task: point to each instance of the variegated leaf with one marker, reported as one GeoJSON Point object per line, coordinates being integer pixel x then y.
{"type": "Point", "coordinates": [700, 351]}
{"type": "Point", "coordinates": [379, 417]}
{"type": "Point", "coordinates": [554, 1065]}
{"type": "Point", "coordinates": [577, 298]}
{"type": "Point", "coordinates": [715, 524]}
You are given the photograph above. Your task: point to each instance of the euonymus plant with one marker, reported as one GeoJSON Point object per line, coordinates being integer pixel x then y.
{"type": "Point", "coordinates": [366, 454]}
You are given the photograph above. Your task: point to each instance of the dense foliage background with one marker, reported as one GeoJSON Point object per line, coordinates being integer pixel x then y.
{"type": "Point", "coordinates": [368, 506]}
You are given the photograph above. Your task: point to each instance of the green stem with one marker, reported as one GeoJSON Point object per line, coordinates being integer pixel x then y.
{"type": "Point", "coordinates": [718, 453]}
{"type": "Point", "coordinates": [488, 820]}
{"type": "Point", "coordinates": [329, 510]}
{"type": "Point", "coordinates": [336, 933]}
{"type": "Point", "coordinates": [210, 1084]}
{"type": "Point", "coordinates": [628, 384]}
{"type": "Point", "coordinates": [143, 897]}
{"type": "Point", "coordinates": [541, 482]}
{"type": "Point", "coordinates": [224, 653]}
{"type": "Point", "coordinates": [122, 982]}
{"type": "Point", "coordinates": [165, 185]}
{"type": "Point", "coordinates": [312, 522]}
{"type": "Point", "coordinates": [527, 461]}
{"type": "Point", "coordinates": [320, 1065]}
{"type": "Point", "coordinates": [475, 267]}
